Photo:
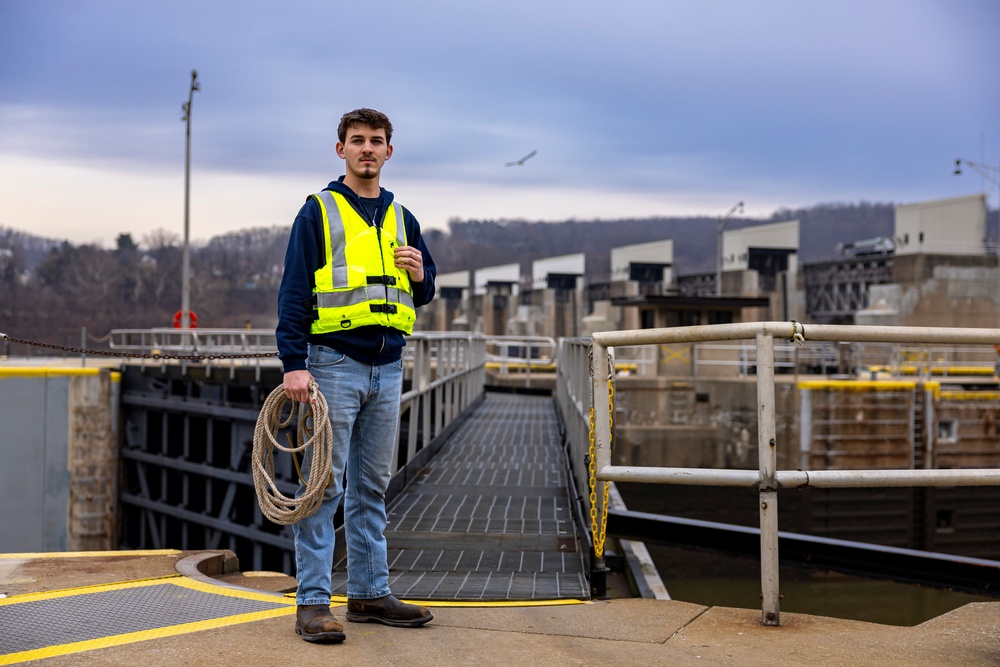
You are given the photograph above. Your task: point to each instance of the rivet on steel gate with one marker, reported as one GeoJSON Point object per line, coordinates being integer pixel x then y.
{"type": "Point", "coordinates": [770, 616]}
{"type": "Point", "coordinates": [772, 442]}
{"type": "Point", "coordinates": [763, 506]}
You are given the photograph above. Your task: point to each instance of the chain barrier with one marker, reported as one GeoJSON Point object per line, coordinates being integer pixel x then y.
{"type": "Point", "coordinates": [99, 339]}
{"type": "Point", "coordinates": [600, 533]}
{"type": "Point", "coordinates": [196, 356]}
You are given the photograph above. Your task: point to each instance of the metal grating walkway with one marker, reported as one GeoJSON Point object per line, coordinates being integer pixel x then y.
{"type": "Point", "coordinates": [489, 517]}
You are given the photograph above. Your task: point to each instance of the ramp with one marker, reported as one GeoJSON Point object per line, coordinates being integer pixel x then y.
{"type": "Point", "coordinates": [489, 518]}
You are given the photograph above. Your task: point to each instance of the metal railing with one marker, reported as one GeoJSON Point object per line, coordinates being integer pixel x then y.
{"type": "Point", "coordinates": [257, 344]}
{"type": "Point", "coordinates": [744, 356]}
{"type": "Point", "coordinates": [519, 351]}
{"type": "Point", "coordinates": [185, 450]}
{"type": "Point", "coordinates": [184, 341]}
{"type": "Point", "coordinates": [900, 361]}
{"type": "Point", "coordinates": [447, 374]}
{"type": "Point", "coordinates": [574, 396]}
{"type": "Point", "coordinates": [767, 479]}
{"type": "Point", "coordinates": [521, 354]}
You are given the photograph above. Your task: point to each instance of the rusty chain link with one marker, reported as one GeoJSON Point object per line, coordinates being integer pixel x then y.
{"type": "Point", "coordinates": [139, 355]}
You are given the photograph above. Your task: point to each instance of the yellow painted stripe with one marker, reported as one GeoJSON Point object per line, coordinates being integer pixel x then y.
{"type": "Point", "coordinates": [936, 370]}
{"type": "Point", "coordinates": [230, 592]}
{"type": "Point", "coordinates": [171, 579]}
{"type": "Point", "coordinates": [859, 385]}
{"type": "Point", "coordinates": [342, 599]}
{"type": "Point", "coordinates": [90, 554]}
{"type": "Point", "coordinates": [48, 371]}
{"type": "Point", "coordinates": [143, 635]}
{"type": "Point", "coordinates": [971, 395]}
{"type": "Point", "coordinates": [84, 590]}
{"type": "Point", "coordinates": [495, 603]}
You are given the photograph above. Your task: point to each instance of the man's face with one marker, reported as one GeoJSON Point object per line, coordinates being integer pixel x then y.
{"type": "Point", "coordinates": [364, 151]}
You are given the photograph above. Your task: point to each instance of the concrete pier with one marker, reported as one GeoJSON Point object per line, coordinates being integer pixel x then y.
{"type": "Point", "coordinates": [616, 632]}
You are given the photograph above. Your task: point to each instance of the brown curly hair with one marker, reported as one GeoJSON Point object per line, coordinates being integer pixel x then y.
{"type": "Point", "coordinates": [370, 117]}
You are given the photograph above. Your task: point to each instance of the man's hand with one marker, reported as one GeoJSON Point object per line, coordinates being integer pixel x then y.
{"type": "Point", "coordinates": [296, 385]}
{"type": "Point", "coordinates": [410, 259]}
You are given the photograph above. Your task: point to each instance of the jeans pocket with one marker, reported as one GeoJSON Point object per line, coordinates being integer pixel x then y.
{"type": "Point", "coordinates": [321, 356]}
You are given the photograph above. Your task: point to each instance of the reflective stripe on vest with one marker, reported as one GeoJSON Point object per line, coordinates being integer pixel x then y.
{"type": "Point", "coordinates": [359, 283]}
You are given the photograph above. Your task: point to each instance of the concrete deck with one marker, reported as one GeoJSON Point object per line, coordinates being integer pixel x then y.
{"type": "Point", "coordinates": [617, 632]}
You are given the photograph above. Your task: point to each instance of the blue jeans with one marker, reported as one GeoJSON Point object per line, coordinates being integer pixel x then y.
{"type": "Point", "coordinates": [363, 402]}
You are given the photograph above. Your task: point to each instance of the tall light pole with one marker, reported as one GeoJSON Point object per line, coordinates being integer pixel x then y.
{"type": "Point", "coordinates": [723, 219]}
{"type": "Point", "coordinates": [988, 171]}
{"type": "Point", "coordinates": [186, 262]}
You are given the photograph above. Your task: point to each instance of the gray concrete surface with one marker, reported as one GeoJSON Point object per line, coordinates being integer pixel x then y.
{"type": "Point", "coordinates": [617, 632]}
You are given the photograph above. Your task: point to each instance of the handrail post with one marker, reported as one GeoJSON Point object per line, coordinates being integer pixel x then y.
{"type": "Point", "coordinates": [602, 414]}
{"type": "Point", "coordinates": [602, 454]}
{"type": "Point", "coordinates": [529, 348]}
{"type": "Point", "coordinates": [768, 460]}
{"type": "Point", "coordinates": [83, 346]}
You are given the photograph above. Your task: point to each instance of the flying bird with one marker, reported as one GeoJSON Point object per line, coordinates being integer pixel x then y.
{"type": "Point", "coordinates": [522, 160]}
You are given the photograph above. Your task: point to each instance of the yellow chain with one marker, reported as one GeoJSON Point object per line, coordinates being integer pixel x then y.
{"type": "Point", "coordinates": [599, 535]}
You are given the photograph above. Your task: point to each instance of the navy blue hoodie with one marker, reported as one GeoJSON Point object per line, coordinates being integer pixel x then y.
{"type": "Point", "coordinates": [373, 344]}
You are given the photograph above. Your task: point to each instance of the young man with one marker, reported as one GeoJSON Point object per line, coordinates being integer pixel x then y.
{"type": "Point", "coordinates": [356, 269]}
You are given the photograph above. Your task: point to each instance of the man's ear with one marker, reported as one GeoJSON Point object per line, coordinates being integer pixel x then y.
{"type": "Point", "coordinates": [340, 151]}
{"type": "Point", "coordinates": [388, 151]}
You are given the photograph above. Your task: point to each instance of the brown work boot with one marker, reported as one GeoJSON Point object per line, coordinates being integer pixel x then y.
{"type": "Point", "coordinates": [316, 624]}
{"type": "Point", "coordinates": [387, 610]}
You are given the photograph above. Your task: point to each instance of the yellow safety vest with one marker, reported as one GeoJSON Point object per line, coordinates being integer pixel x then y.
{"type": "Point", "coordinates": [359, 284]}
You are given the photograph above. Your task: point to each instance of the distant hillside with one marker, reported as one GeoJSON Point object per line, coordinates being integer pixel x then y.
{"type": "Point", "coordinates": [473, 244]}
{"type": "Point", "coordinates": [49, 289]}
{"type": "Point", "coordinates": [33, 249]}
{"type": "Point", "coordinates": [477, 243]}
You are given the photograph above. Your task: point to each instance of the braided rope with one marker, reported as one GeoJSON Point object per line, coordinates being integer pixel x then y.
{"type": "Point", "coordinates": [276, 506]}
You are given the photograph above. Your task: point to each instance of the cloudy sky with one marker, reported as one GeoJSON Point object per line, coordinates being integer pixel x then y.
{"type": "Point", "coordinates": [636, 107]}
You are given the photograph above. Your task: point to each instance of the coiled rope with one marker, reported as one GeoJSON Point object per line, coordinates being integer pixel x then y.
{"type": "Point", "coordinates": [276, 506]}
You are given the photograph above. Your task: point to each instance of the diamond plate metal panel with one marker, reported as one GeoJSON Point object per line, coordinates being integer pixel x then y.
{"type": "Point", "coordinates": [35, 624]}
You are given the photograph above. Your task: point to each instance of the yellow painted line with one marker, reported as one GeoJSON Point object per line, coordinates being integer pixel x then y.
{"type": "Point", "coordinates": [971, 395]}
{"type": "Point", "coordinates": [859, 385]}
{"type": "Point", "coordinates": [84, 590]}
{"type": "Point", "coordinates": [342, 599]}
{"type": "Point", "coordinates": [937, 370]}
{"type": "Point", "coordinates": [230, 592]}
{"type": "Point", "coordinates": [171, 579]}
{"type": "Point", "coordinates": [287, 609]}
{"type": "Point", "coordinates": [48, 371]}
{"type": "Point", "coordinates": [91, 554]}
{"type": "Point", "coordinates": [681, 354]}
{"type": "Point", "coordinates": [496, 603]}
